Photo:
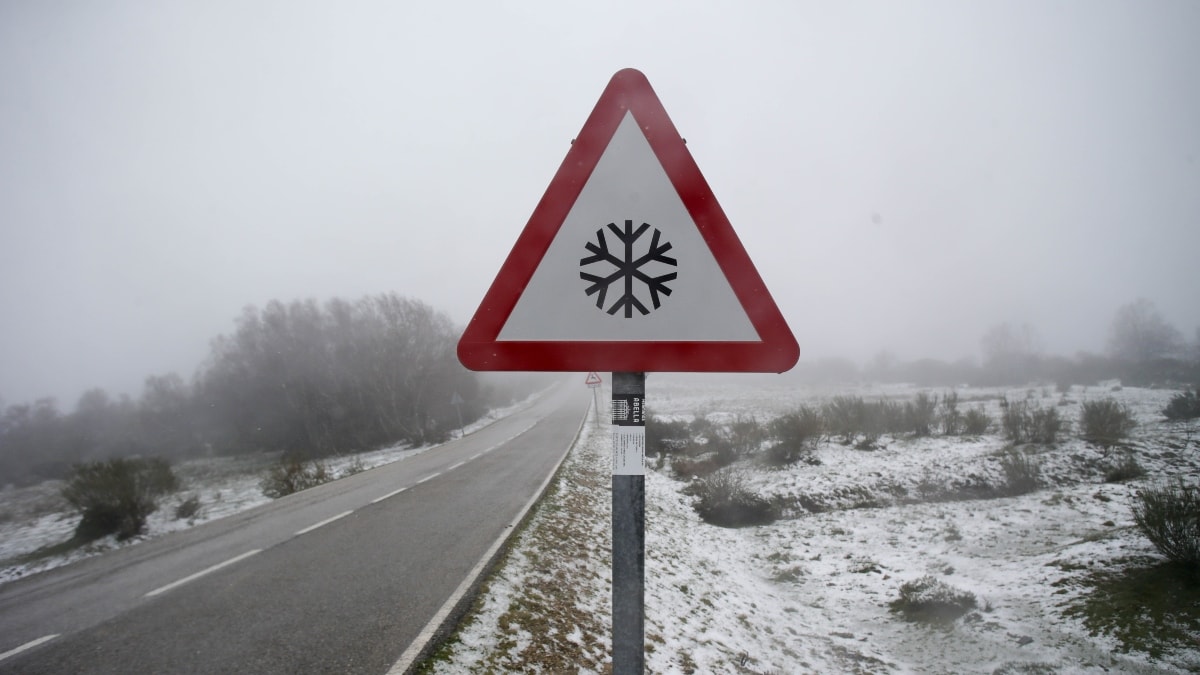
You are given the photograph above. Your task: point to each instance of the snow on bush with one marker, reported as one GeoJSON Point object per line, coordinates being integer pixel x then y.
{"type": "Point", "coordinates": [930, 599]}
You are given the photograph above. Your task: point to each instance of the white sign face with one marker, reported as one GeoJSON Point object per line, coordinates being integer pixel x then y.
{"type": "Point", "coordinates": [629, 263]}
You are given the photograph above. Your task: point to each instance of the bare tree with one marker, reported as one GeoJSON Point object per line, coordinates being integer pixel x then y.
{"type": "Point", "coordinates": [1010, 353]}
{"type": "Point", "coordinates": [1139, 334]}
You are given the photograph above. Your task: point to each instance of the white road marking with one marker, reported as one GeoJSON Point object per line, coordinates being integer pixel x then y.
{"type": "Point", "coordinates": [455, 466]}
{"type": "Point", "coordinates": [197, 575]}
{"type": "Point", "coordinates": [28, 645]}
{"type": "Point", "coordinates": [389, 495]}
{"type": "Point", "coordinates": [323, 523]}
{"type": "Point", "coordinates": [427, 478]}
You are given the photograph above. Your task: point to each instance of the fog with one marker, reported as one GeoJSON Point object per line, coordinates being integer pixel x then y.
{"type": "Point", "coordinates": [904, 175]}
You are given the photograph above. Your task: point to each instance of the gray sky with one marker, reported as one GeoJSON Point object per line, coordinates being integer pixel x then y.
{"type": "Point", "coordinates": [904, 175]}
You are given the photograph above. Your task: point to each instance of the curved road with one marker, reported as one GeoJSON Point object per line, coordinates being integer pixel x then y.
{"type": "Point", "coordinates": [341, 578]}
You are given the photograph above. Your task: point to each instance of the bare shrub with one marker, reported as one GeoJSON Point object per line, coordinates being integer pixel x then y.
{"type": "Point", "coordinates": [919, 414]}
{"type": "Point", "coordinates": [930, 599]}
{"type": "Point", "coordinates": [890, 417]}
{"type": "Point", "coordinates": [745, 435]}
{"type": "Point", "coordinates": [355, 466]}
{"type": "Point", "coordinates": [878, 418]}
{"type": "Point", "coordinates": [1105, 422]}
{"type": "Point", "coordinates": [1021, 472]}
{"type": "Point", "coordinates": [1169, 516]}
{"type": "Point", "coordinates": [687, 468]}
{"type": "Point", "coordinates": [1183, 406]}
{"type": "Point", "coordinates": [976, 422]}
{"type": "Point", "coordinates": [1026, 422]}
{"type": "Point", "coordinates": [726, 500]}
{"type": "Point", "coordinates": [188, 508]}
{"type": "Point", "coordinates": [1125, 469]}
{"type": "Point", "coordinates": [794, 434]}
{"type": "Point", "coordinates": [701, 426]}
{"type": "Point", "coordinates": [950, 418]}
{"type": "Point", "coordinates": [292, 475]}
{"type": "Point", "coordinates": [666, 437]}
{"type": "Point", "coordinates": [843, 417]}
{"type": "Point", "coordinates": [116, 496]}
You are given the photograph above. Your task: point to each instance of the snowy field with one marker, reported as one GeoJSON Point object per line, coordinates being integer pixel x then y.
{"type": "Point", "coordinates": [812, 593]}
{"type": "Point", "coordinates": [36, 519]}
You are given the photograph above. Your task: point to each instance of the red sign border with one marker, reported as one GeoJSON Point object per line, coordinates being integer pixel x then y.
{"type": "Point", "coordinates": [628, 90]}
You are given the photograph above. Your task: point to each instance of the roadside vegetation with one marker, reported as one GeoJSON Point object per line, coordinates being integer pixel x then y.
{"type": "Point", "coordinates": [116, 496]}
{"type": "Point", "coordinates": [310, 380]}
{"type": "Point", "coordinates": [759, 475]}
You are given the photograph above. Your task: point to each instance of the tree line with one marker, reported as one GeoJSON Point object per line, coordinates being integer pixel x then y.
{"type": "Point", "coordinates": [305, 379]}
{"type": "Point", "coordinates": [1142, 349]}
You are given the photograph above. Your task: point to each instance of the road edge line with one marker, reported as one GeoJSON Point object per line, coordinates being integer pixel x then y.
{"type": "Point", "coordinates": [424, 642]}
{"type": "Point", "coordinates": [28, 645]}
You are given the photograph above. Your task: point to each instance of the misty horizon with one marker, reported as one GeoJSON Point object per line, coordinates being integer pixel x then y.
{"type": "Point", "coordinates": [904, 178]}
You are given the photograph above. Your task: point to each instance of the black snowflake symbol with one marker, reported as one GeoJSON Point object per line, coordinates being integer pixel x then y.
{"type": "Point", "coordinates": [628, 268]}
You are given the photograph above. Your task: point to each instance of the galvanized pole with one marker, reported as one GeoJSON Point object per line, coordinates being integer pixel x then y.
{"type": "Point", "coordinates": [629, 522]}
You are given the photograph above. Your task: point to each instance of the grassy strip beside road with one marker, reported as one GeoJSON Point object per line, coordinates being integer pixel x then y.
{"type": "Point", "coordinates": [545, 608]}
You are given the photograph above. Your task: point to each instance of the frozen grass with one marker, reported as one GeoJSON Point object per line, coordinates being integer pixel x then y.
{"type": "Point", "coordinates": [1050, 570]}
{"type": "Point", "coordinates": [36, 523]}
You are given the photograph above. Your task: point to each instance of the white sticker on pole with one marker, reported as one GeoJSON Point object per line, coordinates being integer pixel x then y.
{"type": "Point", "coordinates": [629, 451]}
{"type": "Point", "coordinates": [628, 435]}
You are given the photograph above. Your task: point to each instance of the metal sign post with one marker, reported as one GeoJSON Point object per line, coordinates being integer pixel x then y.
{"type": "Point", "coordinates": [628, 522]}
{"type": "Point", "coordinates": [628, 264]}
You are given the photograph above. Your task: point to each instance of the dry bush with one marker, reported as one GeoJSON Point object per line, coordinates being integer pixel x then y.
{"type": "Point", "coordinates": [1183, 406]}
{"type": "Point", "coordinates": [188, 508]}
{"type": "Point", "coordinates": [976, 422]}
{"type": "Point", "coordinates": [1021, 472]}
{"type": "Point", "coordinates": [930, 599]}
{"type": "Point", "coordinates": [726, 500]}
{"type": "Point", "coordinates": [950, 418]}
{"type": "Point", "coordinates": [665, 438]}
{"type": "Point", "coordinates": [795, 434]}
{"type": "Point", "coordinates": [843, 417]}
{"type": "Point", "coordinates": [292, 475]}
{"type": "Point", "coordinates": [1169, 516]}
{"type": "Point", "coordinates": [1127, 468]}
{"type": "Point", "coordinates": [920, 413]}
{"type": "Point", "coordinates": [116, 496]}
{"type": "Point", "coordinates": [1024, 422]}
{"type": "Point", "coordinates": [687, 468]}
{"type": "Point", "coordinates": [1105, 422]}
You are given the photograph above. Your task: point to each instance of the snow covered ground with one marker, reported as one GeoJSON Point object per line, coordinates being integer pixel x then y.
{"type": "Point", "coordinates": [36, 518]}
{"type": "Point", "coordinates": [812, 593]}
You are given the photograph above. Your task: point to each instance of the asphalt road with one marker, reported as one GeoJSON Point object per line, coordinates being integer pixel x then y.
{"type": "Point", "coordinates": [341, 578]}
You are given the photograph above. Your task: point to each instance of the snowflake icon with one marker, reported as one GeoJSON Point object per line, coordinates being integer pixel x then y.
{"type": "Point", "coordinates": [628, 268]}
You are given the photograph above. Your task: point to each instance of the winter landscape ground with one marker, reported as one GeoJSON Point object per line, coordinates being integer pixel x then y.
{"type": "Point", "coordinates": [1050, 571]}
{"type": "Point", "coordinates": [813, 592]}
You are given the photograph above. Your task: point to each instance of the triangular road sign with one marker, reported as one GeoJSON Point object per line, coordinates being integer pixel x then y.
{"type": "Point", "coordinates": [628, 263]}
{"type": "Point", "coordinates": [593, 379]}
